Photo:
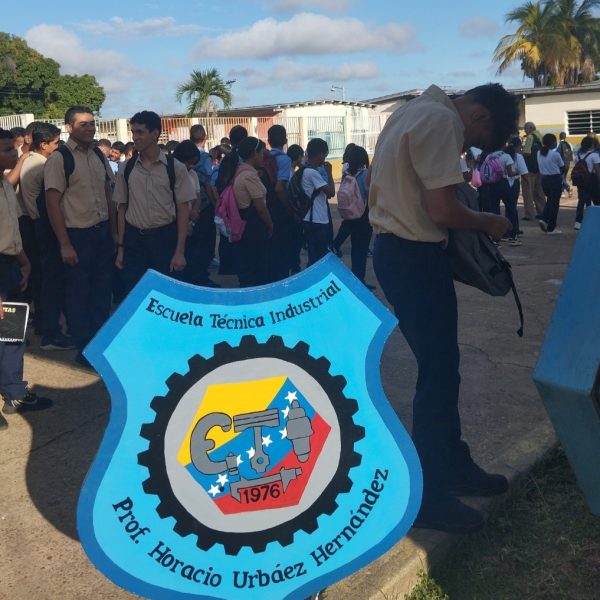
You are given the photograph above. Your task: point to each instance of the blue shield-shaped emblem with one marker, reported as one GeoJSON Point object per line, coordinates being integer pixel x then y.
{"type": "Point", "coordinates": [250, 448]}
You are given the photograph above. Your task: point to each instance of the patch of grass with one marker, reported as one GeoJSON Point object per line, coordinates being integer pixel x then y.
{"type": "Point", "coordinates": [426, 589]}
{"type": "Point", "coordinates": [544, 544]}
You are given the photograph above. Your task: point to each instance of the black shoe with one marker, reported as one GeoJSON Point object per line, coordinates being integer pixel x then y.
{"type": "Point", "coordinates": [472, 480]}
{"type": "Point", "coordinates": [29, 402]}
{"type": "Point", "coordinates": [58, 342]}
{"type": "Point", "coordinates": [82, 361]}
{"type": "Point", "coordinates": [447, 513]}
{"type": "Point", "coordinates": [3, 423]}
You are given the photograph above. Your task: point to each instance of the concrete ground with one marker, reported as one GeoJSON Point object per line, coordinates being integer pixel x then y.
{"type": "Point", "coordinates": [44, 457]}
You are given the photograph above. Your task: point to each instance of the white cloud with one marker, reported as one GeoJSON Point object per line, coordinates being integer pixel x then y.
{"type": "Point", "coordinates": [117, 27]}
{"type": "Point", "coordinates": [111, 68]}
{"type": "Point", "coordinates": [307, 34]}
{"type": "Point", "coordinates": [478, 27]}
{"type": "Point", "coordinates": [119, 78]}
{"type": "Point", "coordinates": [294, 72]}
{"type": "Point", "coordinates": [293, 6]}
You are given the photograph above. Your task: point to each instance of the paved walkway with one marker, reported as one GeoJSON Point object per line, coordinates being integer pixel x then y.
{"type": "Point", "coordinates": [45, 456]}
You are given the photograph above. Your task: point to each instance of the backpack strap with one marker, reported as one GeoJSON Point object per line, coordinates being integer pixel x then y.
{"type": "Point", "coordinates": [130, 164]}
{"type": "Point", "coordinates": [68, 161]}
{"type": "Point", "coordinates": [313, 195]}
{"type": "Point", "coordinates": [519, 307]}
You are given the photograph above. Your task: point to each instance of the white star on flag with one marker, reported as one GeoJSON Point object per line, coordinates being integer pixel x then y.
{"type": "Point", "coordinates": [283, 432]}
{"type": "Point", "coordinates": [222, 479]}
{"type": "Point", "coordinates": [251, 452]}
{"type": "Point", "coordinates": [286, 412]}
{"type": "Point", "coordinates": [267, 441]}
{"type": "Point", "coordinates": [214, 490]}
{"type": "Point", "coordinates": [291, 396]}
{"type": "Point", "coordinates": [239, 460]}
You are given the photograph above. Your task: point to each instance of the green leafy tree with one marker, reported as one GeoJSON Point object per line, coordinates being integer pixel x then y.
{"type": "Point", "coordinates": [557, 42]}
{"type": "Point", "coordinates": [24, 77]}
{"type": "Point", "coordinates": [200, 88]}
{"type": "Point", "coordinates": [70, 90]}
{"type": "Point", "coordinates": [32, 83]}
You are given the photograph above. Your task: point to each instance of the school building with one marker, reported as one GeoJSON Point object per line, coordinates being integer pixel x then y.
{"type": "Point", "coordinates": [572, 109]}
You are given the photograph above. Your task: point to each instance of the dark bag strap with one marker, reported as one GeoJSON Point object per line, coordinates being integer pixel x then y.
{"type": "Point", "coordinates": [170, 173]}
{"type": "Point", "coordinates": [519, 306]}
{"type": "Point", "coordinates": [69, 161]}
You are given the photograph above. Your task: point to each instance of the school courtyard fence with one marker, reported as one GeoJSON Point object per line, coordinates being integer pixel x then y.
{"type": "Point", "coordinates": [336, 131]}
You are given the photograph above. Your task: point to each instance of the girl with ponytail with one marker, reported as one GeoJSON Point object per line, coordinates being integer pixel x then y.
{"type": "Point", "coordinates": [551, 169]}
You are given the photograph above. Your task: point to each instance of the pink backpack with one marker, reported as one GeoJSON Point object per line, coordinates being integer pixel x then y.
{"type": "Point", "coordinates": [227, 215]}
{"type": "Point", "coordinates": [349, 199]}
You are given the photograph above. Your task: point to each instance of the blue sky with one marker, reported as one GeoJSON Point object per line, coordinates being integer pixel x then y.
{"type": "Point", "coordinates": [276, 51]}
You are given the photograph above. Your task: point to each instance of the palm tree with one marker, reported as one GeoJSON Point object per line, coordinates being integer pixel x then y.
{"type": "Point", "coordinates": [536, 43]}
{"type": "Point", "coordinates": [200, 88]}
{"type": "Point", "coordinates": [557, 42]}
{"type": "Point", "coordinates": [581, 30]}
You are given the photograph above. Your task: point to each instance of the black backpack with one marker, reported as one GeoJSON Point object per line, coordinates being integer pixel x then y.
{"type": "Point", "coordinates": [300, 202]}
{"type": "Point", "coordinates": [170, 172]}
{"type": "Point", "coordinates": [531, 160]}
{"type": "Point", "coordinates": [476, 260]}
{"type": "Point", "coordinates": [69, 167]}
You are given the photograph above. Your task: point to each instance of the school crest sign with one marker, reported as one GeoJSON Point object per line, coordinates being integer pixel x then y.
{"type": "Point", "coordinates": [250, 448]}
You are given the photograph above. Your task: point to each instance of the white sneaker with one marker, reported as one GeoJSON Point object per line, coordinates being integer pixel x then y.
{"type": "Point", "coordinates": [577, 225]}
{"type": "Point", "coordinates": [543, 225]}
{"type": "Point", "coordinates": [555, 232]}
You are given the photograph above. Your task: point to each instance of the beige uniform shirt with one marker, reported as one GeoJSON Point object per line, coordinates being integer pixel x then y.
{"type": "Point", "coordinates": [84, 202]}
{"type": "Point", "coordinates": [248, 186]}
{"type": "Point", "coordinates": [150, 199]}
{"type": "Point", "coordinates": [32, 179]}
{"type": "Point", "coordinates": [418, 149]}
{"type": "Point", "coordinates": [10, 238]}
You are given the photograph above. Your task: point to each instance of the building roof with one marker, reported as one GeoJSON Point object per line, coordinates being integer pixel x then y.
{"type": "Point", "coordinates": [266, 110]}
{"type": "Point", "coordinates": [526, 91]}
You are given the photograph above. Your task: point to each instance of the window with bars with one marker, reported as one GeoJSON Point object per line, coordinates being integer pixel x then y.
{"type": "Point", "coordinates": [581, 122]}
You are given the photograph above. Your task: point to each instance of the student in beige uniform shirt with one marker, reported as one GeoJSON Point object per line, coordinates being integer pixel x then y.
{"type": "Point", "coordinates": [44, 141]}
{"type": "Point", "coordinates": [14, 272]}
{"type": "Point", "coordinates": [82, 217]}
{"type": "Point", "coordinates": [412, 205]}
{"type": "Point", "coordinates": [153, 218]}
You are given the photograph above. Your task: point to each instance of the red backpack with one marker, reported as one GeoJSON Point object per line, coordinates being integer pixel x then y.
{"type": "Point", "coordinates": [350, 202]}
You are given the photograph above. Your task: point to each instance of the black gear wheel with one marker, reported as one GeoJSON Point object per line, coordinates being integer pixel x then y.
{"type": "Point", "coordinates": [164, 406]}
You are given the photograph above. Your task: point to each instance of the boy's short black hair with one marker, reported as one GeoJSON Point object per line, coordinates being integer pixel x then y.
{"type": "Point", "coordinates": [149, 119]}
{"type": "Point", "coordinates": [104, 142]}
{"type": "Point", "coordinates": [75, 110]}
{"type": "Point", "coordinates": [295, 152]}
{"type": "Point", "coordinates": [277, 136]}
{"type": "Point", "coordinates": [185, 151]}
{"type": "Point", "coordinates": [504, 108]}
{"type": "Point", "coordinates": [43, 133]}
{"type": "Point", "coordinates": [119, 146]}
{"type": "Point", "coordinates": [237, 133]}
{"type": "Point", "coordinates": [17, 131]}
{"type": "Point", "coordinates": [316, 146]}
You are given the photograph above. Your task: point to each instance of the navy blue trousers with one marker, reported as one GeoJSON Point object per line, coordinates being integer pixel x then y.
{"type": "Point", "coordinates": [88, 284]}
{"type": "Point", "coordinates": [416, 278]}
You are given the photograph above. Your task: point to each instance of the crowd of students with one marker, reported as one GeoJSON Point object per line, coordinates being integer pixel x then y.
{"type": "Point", "coordinates": [541, 164]}
{"type": "Point", "coordinates": [82, 221]}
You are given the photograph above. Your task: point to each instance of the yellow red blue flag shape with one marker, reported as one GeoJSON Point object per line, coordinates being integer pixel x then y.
{"type": "Point", "coordinates": [250, 448]}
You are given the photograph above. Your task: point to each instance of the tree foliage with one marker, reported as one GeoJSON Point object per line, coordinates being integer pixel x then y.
{"type": "Point", "coordinates": [557, 42]}
{"type": "Point", "coordinates": [200, 88]}
{"type": "Point", "coordinates": [32, 83]}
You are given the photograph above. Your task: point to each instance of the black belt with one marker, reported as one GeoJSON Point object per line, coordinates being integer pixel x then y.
{"type": "Point", "coordinates": [149, 231]}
